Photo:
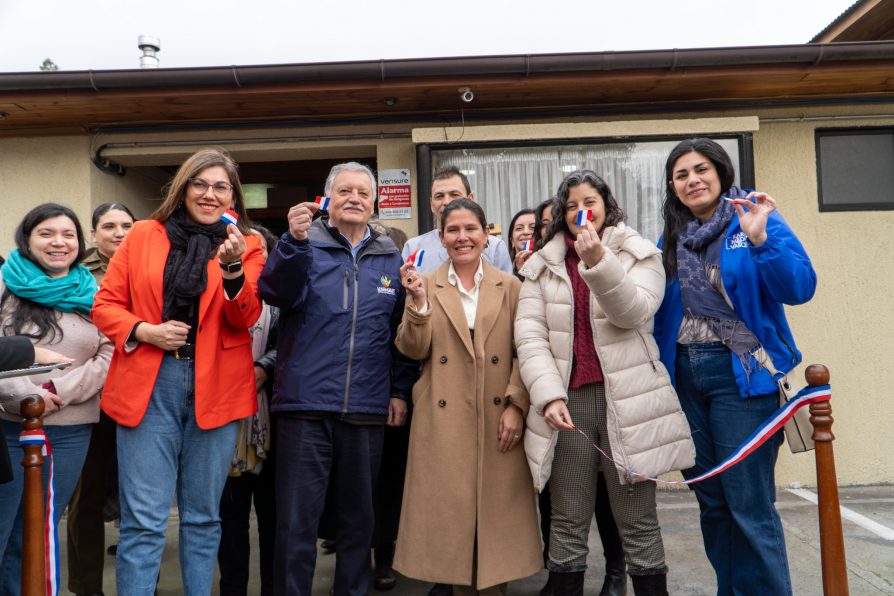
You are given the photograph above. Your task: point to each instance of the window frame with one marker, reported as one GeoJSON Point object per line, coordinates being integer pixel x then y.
{"type": "Point", "coordinates": [818, 134]}
{"type": "Point", "coordinates": [424, 158]}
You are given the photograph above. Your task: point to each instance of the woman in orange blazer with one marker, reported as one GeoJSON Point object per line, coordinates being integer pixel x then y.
{"type": "Point", "coordinates": [177, 300]}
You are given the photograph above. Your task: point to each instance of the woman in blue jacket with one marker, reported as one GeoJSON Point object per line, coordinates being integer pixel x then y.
{"type": "Point", "coordinates": [732, 263]}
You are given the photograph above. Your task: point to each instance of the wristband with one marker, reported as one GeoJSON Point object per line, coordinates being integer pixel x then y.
{"type": "Point", "coordinates": [231, 267]}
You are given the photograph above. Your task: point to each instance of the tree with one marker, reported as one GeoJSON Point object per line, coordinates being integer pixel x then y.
{"type": "Point", "coordinates": [49, 66]}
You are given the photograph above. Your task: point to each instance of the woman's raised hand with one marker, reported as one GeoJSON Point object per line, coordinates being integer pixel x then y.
{"type": "Point", "coordinates": [232, 248]}
{"type": "Point", "coordinates": [588, 246]}
{"type": "Point", "coordinates": [557, 416]}
{"type": "Point", "coordinates": [412, 282]}
{"type": "Point", "coordinates": [753, 215]}
{"type": "Point", "coordinates": [521, 257]}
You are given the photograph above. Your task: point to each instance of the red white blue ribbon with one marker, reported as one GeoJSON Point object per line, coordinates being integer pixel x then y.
{"type": "Point", "coordinates": [323, 202]}
{"type": "Point", "coordinates": [528, 245]}
{"type": "Point", "coordinates": [767, 429]}
{"type": "Point", "coordinates": [229, 217]}
{"type": "Point", "coordinates": [415, 259]}
{"type": "Point", "coordinates": [583, 216]}
{"type": "Point", "coordinates": [51, 532]}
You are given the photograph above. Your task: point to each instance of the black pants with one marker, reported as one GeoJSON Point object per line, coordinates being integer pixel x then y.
{"type": "Point", "coordinates": [390, 491]}
{"type": "Point", "coordinates": [86, 521]}
{"type": "Point", "coordinates": [235, 510]}
{"type": "Point", "coordinates": [311, 456]}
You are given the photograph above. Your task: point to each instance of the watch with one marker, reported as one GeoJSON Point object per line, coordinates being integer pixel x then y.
{"type": "Point", "coordinates": [233, 267]}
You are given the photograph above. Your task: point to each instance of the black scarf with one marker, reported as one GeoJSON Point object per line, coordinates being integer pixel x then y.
{"type": "Point", "coordinates": [186, 270]}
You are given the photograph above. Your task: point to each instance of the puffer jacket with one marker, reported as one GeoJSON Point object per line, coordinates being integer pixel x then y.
{"type": "Point", "coordinates": [648, 433]}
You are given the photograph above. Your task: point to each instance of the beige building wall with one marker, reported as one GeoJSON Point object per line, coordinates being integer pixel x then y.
{"type": "Point", "coordinates": [40, 170]}
{"type": "Point", "coordinates": [847, 326]}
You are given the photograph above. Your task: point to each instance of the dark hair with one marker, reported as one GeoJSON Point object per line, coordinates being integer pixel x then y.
{"type": "Point", "coordinates": [28, 314]}
{"type": "Point", "coordinates": [105, 208]}
{"type": "Point", "coordinates": [175, 191]}
{"type": "Point", "coordinates": [512, 248]}
{"type": "Point", "coordinates": [613, 212]}
{"type": "Point", "coordinates": [269, 237]}
{"type": "Point", "coordinates": [449, 172]}
{"type": "Point", "coordinates": [468, 204]}
{"type": "Point", "coordinates": [538, 220]}
{"type": "Point", "coordinates": [676, 214]}
{"type": "Point", "coordinates": [398, 236]}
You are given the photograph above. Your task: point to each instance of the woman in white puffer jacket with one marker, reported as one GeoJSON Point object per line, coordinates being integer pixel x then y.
{"type": "Point", "coordinates": [587, 356]}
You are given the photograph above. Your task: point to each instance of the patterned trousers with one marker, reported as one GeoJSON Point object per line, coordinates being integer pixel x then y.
{"type": "Point", "coordinates": [573, 493]}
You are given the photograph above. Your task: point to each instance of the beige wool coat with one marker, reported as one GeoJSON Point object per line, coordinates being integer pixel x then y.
{"type": "Point", "coordinates": [647, 430]}
{"type": "Point", "coordinates": [459, 486]}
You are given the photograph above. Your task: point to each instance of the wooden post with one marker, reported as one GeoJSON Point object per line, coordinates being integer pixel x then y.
{"type": "Point", "coordinates": [34, 569]}
{"type": "Point", "coordinates": [831, 537]}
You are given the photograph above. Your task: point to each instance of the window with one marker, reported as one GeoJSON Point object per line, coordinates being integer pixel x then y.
{"type": "Point", "coordinates": [506, 179]}
{"type": "Point", "coordinates": [855, 169]}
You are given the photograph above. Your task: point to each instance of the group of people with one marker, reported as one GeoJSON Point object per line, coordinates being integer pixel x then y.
{"type": "Point", "coordinates": [577, 360]}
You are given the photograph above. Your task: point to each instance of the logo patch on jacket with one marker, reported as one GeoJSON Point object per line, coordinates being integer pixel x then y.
{"type": "Point", "coordinates": [385, 286]}
{"type": "Point", "coordinates": [739, 240]}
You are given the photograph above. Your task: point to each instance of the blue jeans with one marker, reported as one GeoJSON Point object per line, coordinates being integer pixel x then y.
{"type": "Point", "coordinates": [69, 444]}
{"type": "Point", "coordinates": [167, 450]}
{"type": "Point", "coordinates": [740, 525]}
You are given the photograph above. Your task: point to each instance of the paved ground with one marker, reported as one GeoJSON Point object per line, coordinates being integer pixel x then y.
{"type": "Point", "coordinates": [870, 555]}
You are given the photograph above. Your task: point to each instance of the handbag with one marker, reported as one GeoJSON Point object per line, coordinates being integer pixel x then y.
{"type": "Point", "coordinates": [798, 430]}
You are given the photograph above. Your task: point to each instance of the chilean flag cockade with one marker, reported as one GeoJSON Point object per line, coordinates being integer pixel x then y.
{"type": "Point", "coordinates": [323, 202]}
{"type": "Point", "coordinates": [583, 216]}
{"type": "Point", "coordinates": [51, 532]}
{"type": "Point", "coordinates": [415, 259]}
{"type": "Point", "coordinates": [767, 429]}
{"type": "Point", "coordinates": [229, 217]}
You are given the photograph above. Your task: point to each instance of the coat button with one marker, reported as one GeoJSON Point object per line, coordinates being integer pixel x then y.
{"type": "Point", "coordinates": [495, 359]}
{"type": "Point", "coordinates": [497, 401]}
{"type": "Point", "coordinates": [442, 403]}
{"type": "Point", "coordinates": [443, 359]}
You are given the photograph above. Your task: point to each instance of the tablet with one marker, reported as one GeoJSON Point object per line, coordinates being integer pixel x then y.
{"type": "Point", "coordinates": [36, 369]}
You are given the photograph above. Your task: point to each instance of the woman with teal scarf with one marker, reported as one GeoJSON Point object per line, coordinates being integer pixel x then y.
{"type": "Point", "coordinates": [46, 296]}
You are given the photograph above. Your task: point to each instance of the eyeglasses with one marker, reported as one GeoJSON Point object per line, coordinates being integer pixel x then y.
{"type": "Point", "coordinates": [201, 187]}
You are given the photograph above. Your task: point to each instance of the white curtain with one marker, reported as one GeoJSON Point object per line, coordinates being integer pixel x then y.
{"type": "Point", "coordinates": [506, 180]}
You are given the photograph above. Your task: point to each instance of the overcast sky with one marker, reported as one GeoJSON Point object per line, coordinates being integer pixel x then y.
{"type": "Point", "coordinates": [102, 34]}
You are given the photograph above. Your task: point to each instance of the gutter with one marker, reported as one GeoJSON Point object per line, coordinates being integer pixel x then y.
{"type": "Point", "coordinates": [381, 71]}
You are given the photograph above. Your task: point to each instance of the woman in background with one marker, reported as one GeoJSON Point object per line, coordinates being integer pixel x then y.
{"type": "Point", "coordinates": [98, 483]}
{"type": "Point", "coordinates": [521, 229]}
{"type": "Point", "coordinates": [543, 218]}
{"type": "Point", "coordinates": [251, 477]}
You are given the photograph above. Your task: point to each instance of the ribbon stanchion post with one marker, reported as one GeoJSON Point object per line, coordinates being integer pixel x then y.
{"type": "Point", "coordinates": [831, 535]}
{"type": "Point", "coordinates": [34, 580]}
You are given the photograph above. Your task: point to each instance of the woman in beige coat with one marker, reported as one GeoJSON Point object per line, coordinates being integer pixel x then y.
{"type": "Point", "coordinates": [590, 363]}
{"type": "Point", "coordinates": [468, 516]}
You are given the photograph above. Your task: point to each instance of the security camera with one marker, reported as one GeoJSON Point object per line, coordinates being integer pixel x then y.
{"type": "Point", "coordinates": [466, 94]}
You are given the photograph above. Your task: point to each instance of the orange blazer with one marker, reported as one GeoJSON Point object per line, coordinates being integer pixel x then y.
{"type": "Point", "coordinates": [131, 292]}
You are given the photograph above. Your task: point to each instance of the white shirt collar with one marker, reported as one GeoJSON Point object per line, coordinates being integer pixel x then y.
{"type": "Point", "coordinates": [453, 278]}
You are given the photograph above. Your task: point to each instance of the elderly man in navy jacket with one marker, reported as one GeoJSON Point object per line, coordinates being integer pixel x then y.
{"type": "Point", "coordinates": [339, 379]}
